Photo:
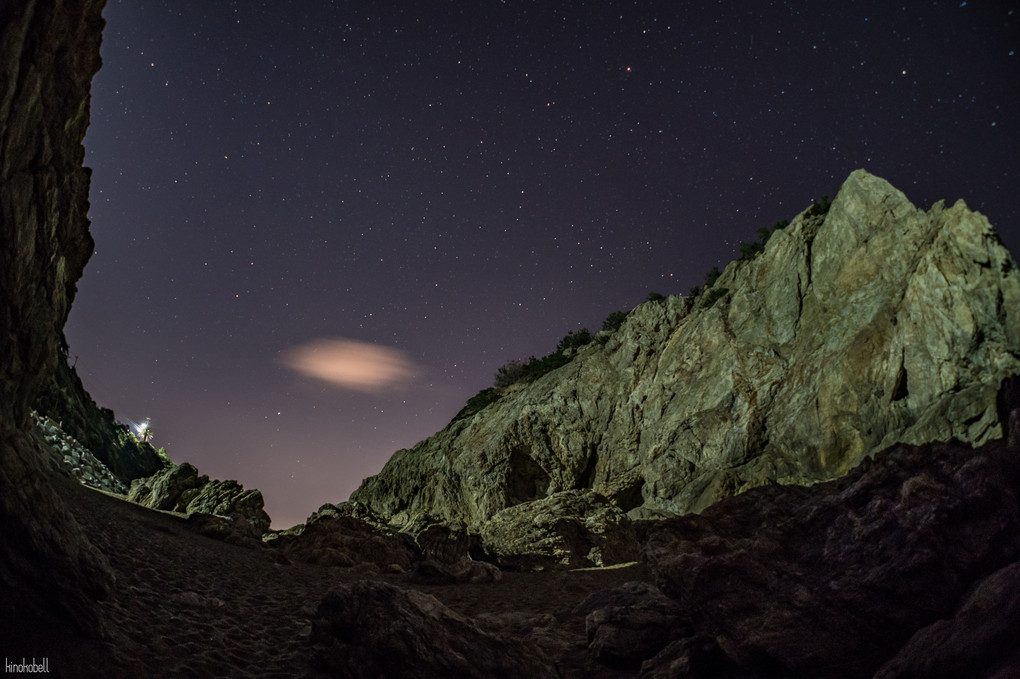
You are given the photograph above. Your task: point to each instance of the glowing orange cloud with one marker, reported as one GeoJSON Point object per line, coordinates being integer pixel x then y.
{"type": "Point", "coordinates": [351, 364]}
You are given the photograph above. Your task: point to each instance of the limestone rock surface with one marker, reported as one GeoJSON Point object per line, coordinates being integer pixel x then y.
{"type": "Point", "coordinates": [569, 529]}
{"type": "Point", "coordinates": [870, 324]}
{"type": "Point", "coordinates": [182, 489]}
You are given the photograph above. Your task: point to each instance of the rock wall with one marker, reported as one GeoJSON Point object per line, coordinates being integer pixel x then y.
{"type": "Point", "coordinates": [867, 325]}
{"type": "Point", "coordinates": [50, 575]}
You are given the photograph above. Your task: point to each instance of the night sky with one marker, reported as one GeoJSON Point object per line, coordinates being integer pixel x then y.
{"type": "Point", "coordinates": [322, 226]}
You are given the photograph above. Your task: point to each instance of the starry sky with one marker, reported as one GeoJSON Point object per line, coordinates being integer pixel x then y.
{"type": "Point", "coordinates": [322, 226]}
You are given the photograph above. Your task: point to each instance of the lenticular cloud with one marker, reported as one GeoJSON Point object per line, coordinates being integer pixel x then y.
{"type": "Point", "coordinates": [348, 363]}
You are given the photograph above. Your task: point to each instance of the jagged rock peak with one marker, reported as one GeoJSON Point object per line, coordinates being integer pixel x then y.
{"type": "Point", "coordinates": [866, 324]}
{"type": "Point", "coordinates": [180, 488]}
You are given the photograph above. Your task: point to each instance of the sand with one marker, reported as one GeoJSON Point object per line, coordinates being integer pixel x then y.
{"type": "Point", "coordinates": [186, 605]}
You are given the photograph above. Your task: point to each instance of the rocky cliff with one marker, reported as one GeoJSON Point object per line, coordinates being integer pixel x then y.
{"type": "Point", "coordinates": [871, 324]}
{"type": "Point", "coordinates": [50, 574]}
{"type": "Point", "coordinates": [64, 400]}
{"type": "Point", "coordinates": [868, 324]}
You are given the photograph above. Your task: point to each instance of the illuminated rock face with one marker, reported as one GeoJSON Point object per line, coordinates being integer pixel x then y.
{"type": "Point", "coordinates": [869, 324]}
{"type": "Point", "coordinates": [181, 489]}
{"type": "Point", "coordinates": [50, 50]}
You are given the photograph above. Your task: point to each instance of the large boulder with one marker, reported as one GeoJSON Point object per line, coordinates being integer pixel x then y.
{"type": "Point", "coordinates": [869, 324]}
{"type": "Point", "coordinates": [980, 639]}
{"type": "Point", "coordinates": [182, 489]}
{"type": "Point", "coordinates": [569, 529]}
{"type": "Point", "coordinates": [446, 558]}
{"type": "Point", "coordinates": [629, 624]}
{"type": "Point", "coordinates": [373, 629]}
{"type": "Point", "coordinates": [88, 469]}
{"type": "Point", "coordinates": [833, 579]}
{"type": "Point", "coordinates": [344, 536]}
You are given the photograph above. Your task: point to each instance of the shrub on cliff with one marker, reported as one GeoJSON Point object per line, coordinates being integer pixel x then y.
{"type": "Point", "coordinates": [820, 207]}
{"type": "Point", "coordinates": [574, 340]}
{"type": "Point", "coordinates": [477, 402]}
{"type": "Point", "coordinates": [510, 372]}
{"type": "Point", "coordinates": [749, 250]}
{"type": "Point", "coordinates": [614, 321]}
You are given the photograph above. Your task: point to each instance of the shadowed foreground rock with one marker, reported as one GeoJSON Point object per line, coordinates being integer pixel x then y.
{"type": "Point", "coordinates": [832, 580]}
{"type": "Point", "coordinates": [372, 629]}
{"type": "Point", "coordinates": [980, 640]}
{"type": "Point", "coordinates": [341, 535]}
{"type": "Point", "coordinates": [629, 624]}
{"type": "Point", "coordinates": [50, 574]}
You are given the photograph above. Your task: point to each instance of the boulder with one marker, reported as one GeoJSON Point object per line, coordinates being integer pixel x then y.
{"type": "Point", "coordinates": [629, 624]}
{"type": "Point", "coordinates": [373, 629]}
{"type": "Point", "coordinates": [445, 544]}
{"type": "Point", "coordinates": [232, 529]}
{"type": "Point", "coordinates": [979, 640]}
{"type": "Point", "coordinates": [569, 529]}
{"type": "Point", "coordinates": [869, 324]}
{"type": "Point", "coordinates": [431, 572]}
{"type": "Point", "coordinates": [182, 489]}
{"type": "Point", "coordinates": [335, 536]}
{"type": "Point", "coordinates": [832, 580]}
{"type": "Point", "coordinates": [446, 559]}
{"type": "Point", "coordinates": [691, 658]}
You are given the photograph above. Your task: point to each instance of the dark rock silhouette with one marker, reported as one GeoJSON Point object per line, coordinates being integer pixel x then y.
{"type": "Point", "coordinates": [376, 630]}
{"type": "Point", "coordinates": [343, 536]}
{"type": "Point", "coordinates": [50, 574]}
{"type": "Point", "coordinates": [980, 639]}
{"type": "Point", "coordinates": [831, 580]}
